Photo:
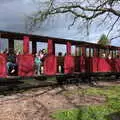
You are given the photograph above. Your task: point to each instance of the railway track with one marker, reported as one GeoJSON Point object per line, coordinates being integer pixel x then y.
{"type": "Point", "coordinates": [15, 83]}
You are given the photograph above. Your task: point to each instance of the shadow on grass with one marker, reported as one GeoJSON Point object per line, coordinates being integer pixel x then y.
{"type": "Point", "coordinates": [113, 116]}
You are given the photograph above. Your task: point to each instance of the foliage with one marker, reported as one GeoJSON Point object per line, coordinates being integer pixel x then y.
{"type": "Point", "coordinates": [104, 40]}
{"type": "Point", "coordinates": [18, 46]}
{"type": "Point", "coordinates": [94, 112]}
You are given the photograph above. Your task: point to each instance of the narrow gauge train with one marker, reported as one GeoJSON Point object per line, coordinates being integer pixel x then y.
{"type": "Point", "coordinates": [88, 62]}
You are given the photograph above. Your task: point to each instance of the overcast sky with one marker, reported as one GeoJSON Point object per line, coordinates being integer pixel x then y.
{"type": "Point", "coordinates": [13, 14]}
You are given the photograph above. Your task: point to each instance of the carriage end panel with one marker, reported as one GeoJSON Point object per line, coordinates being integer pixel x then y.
{"type": "Point", "coordinates": [3, 70]}
{"type": "Point", "coordinates": [69, 64]}
{"type": "Point", "coordinates": [82, 64]}
{"type": "Point", "coordinates": [93, 64]}
{"type": "Point", "coordinates": [50, 65]}
{"type": "Point", "coordinates": [116, 63]}
{"type": "Point", "coordinates": [87, 64]}
{"type": "Point", "coordinates": [77, 64]}
{"type": "Point", "coordinates": [104, 65]}
{"type": "Point", "coordinates": [26, 65]}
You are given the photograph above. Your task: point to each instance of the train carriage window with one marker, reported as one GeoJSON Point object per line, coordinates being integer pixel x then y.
{"type": "Point", "coordinates": [111, 53]}
{"type": "Point", "coordinates": [87, 52]}
{"type": "Point", "coordinates": [30, 46]}
{"type": "Point", "coordinates": [117, 52]}
{"type": "Point", "coordinates": [60, 48]}
{"type": "Point", "coordinates": [3, 44]}
{"type": "Point", "coordinates": [41, 45]}
{"type": "Point", "coordinates": [92, 52]}
{"type": "Point", "coordinates": [60, 52]}
{"type": "Point", "coordinates": [101, 51]}
{"type": "Point", "coordinates": [107, 51]}
{"type": "Point", "coordinates": [73, 51]}
{"type": "Point", "coordinates": [18, 46]}
{"type": "Point", "coordinates": [78, 51]}
{"type": "Point", "coordinates": [114, 53]}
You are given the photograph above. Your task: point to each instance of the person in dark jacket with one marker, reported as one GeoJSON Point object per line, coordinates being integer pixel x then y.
{"type": "Point", "coordinates": [11, 62]}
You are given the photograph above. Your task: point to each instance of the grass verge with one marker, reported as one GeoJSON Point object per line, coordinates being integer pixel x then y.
{"type": "Point", "coordinates": [110, 110]}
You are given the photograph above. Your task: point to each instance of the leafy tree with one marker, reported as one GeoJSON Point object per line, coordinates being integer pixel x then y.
{"type": "Point", "coordinates": [104, 40]}
{"type": "Point", "coordinates": [18, 45]}
{"type": "Point", "coordinates": [82, 11]}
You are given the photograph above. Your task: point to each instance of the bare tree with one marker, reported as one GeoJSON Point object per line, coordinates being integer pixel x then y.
{"type": "Point", "coordinates": [106, 11]}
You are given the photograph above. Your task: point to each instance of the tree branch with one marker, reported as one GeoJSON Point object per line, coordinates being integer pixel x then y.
{"type": "Point", "coordinates": [75, 18]}
{"type": "Point", "coordinates": [115, 37]}
{"type": "Point", "coordinates": [84, 9]}
{"type": "Point", "coordinates": [113, 26]}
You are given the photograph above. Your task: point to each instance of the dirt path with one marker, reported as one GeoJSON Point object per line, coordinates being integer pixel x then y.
{"type": "Point", "coordinates": [37, 104]}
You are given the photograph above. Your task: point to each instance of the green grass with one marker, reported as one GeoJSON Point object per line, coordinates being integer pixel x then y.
{"type": "Point", "coordinates": [52, 78]}
{"type": "Point", "coordinates": [93, 112]}
{"type": "Point", "coordinates": [84, 113]}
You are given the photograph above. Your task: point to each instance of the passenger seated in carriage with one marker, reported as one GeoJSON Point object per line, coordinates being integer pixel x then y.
{"type": "Point", "coordinates": [11, 62]}
{"type": "Point", "coordinates": [60, 63]}
{"type": "Point", "coordinates": [109, 56]}
{"type": "Point", "coordinates": [44, 52]}
{"type": "Point", "coordinates": [117, 56]}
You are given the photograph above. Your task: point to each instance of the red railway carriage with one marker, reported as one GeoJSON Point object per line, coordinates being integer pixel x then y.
{"type": "Point", "coordinates": [89, 59]}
